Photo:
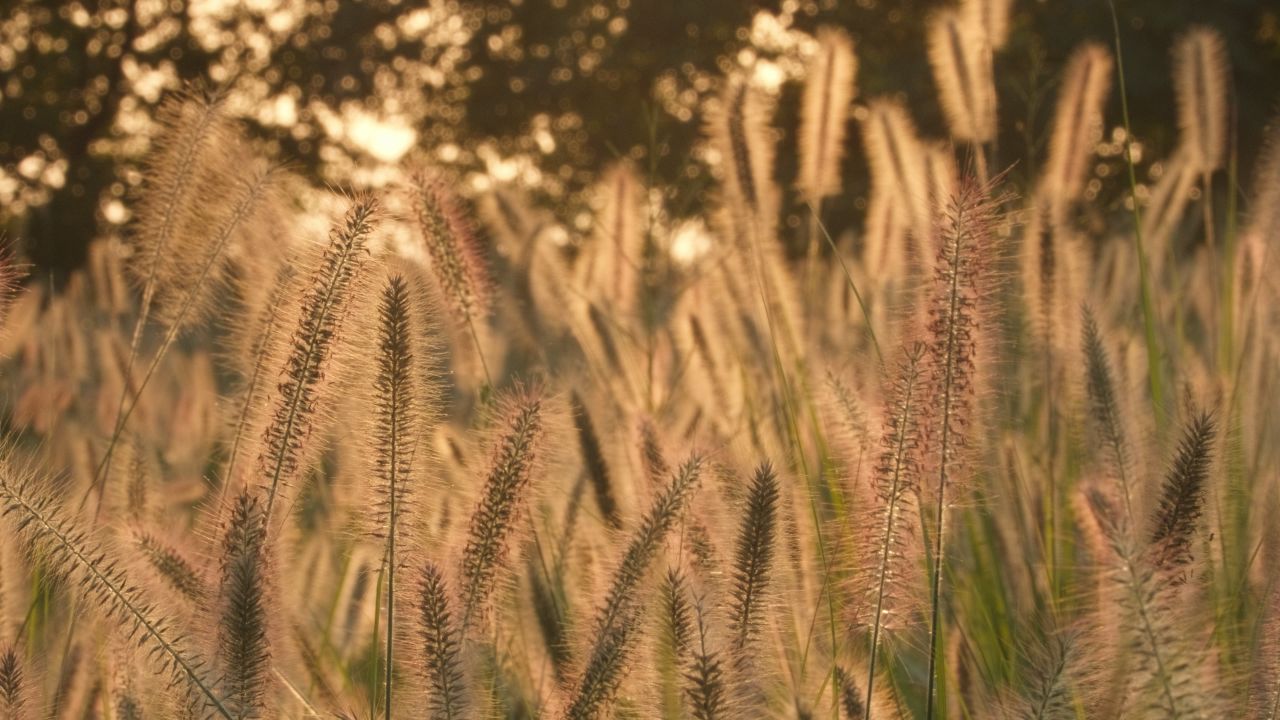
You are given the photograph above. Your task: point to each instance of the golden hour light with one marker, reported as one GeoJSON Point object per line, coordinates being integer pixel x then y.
{"type": "Point", "coordinates": [639, 359]}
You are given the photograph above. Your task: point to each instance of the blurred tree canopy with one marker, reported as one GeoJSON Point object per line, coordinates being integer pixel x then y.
{"type": "Point", "coordinates": [539, 92]}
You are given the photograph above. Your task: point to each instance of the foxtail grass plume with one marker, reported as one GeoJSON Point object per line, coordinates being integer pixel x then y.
{"type": "Point", "coordinates": [1077, 127]}
{"type": "Point", "coordinates": [652, 457]}
{"type": "Point", "coordinates": [899, 172]}
{"type": "Point", "coordinates": [959, 307]}
{"type": "Point", "coordinates": [885, 254]}
{"type": "Point", "coordinates": [961, 60]}
{"type": "Point", "coordinates": [255, 359]}
{"type": "Point", "coordinates": [440, 646]}
{"type": "Point", "coordinates": [1264, 685]}
{"type": "Point", "coordinates": [11, 274]}
{"type": "Point", "coordinates": [1261, 234]}
{"type": "Point", "coordinates": [512, 461]}
{"type": "Point", "coordinates": [1167, 205]}
{"type": "Point", "coordinates": [885, 567]}
{"type": "Point", "coordinates": [296, 405]}
{"type": "Point", "coordinates": [13, 685]}
{"type": "Point", "coordinates": [990, 15]}
{"type": "Point", "coordinates": [1264, 210]}
{"type": "Point", "coordinates": [676, 613]}
{"type": "Point", "coordinates": [548, 596]}
{"type": "Point", "coordinates": [1105, 412]}
{"type": "Point", "coordinates": [186, 169]}
{"type": "Point", "coordinates": [851, 698]}
{"type": "Point", "coordinates": [675, 638]}
{"type": "Point", "coordinates": [616, 621]}
{"type": "Point", "coordinates": [194, 272]}
{"type": "Point", "coordinates": [824, 116]}
{"type": "Point", "coordinates": [739, 131]}
{"type": "Point", "coordinates": [449, 237]}
{"type": "Point", "coordinates": [1182, 497]}
{"type": "Point", "coordinates": [400, 415]}
{"type": "Point", "coordinates": [753, 561]}
{"type": "Point", "coordinates": [1200, 81]}
{"type": "Point", "coordinates": [594, 463]}
{"type": "Point", "coordinates": [243, 613]}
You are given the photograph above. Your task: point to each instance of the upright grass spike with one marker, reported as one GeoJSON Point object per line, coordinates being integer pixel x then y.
{"type": "Point", "coordinates": [548, 604]}
{"type": "Point", "coordinates": [399, 415]}
{"type": "Point", "coordinates": [824, 115]}
{"type": "Point", "coordinates": [899, 176]}
{"type": "Point", "coordinates": [447, 234]}
{"type": "Point", "coordinates": [1077, 127]}
{"type": "Point", "coordinates": [1264, 681]}
{"type": "Point", "coordinates": [195, 133]}
{"type": "Point", "coordinates": [440, 651]}
{"type": "Point", "coordinates": [991, 16]}
{"type": "Point", "coordinates": [739, 132]}
{"type": "Point", "coordinates": [1105, 411]}
{"type": "Point", "coordinates": [508, 476]}
{"type": "Point", "coordinates": [1052, 269]}
{"type": "Point", "coordinates": [753, 561]}
{"type": "Point", "coordinates": [243, 613]}
{"type": "Point", "coordinates": [849, 410]}
{"type": "Point", "coordinates": [72, 555]}
{"type": "Point", "coordinates": [457, 257]}
{"type": "Point", "coordinates": [593, 461]}
{"type": "Point", "coordinates": [1264, 208]}
{"type": "Point", "coordinates": [616, 620]}
{"type": "Point", "coordinates": [896, 481]}
{"type": "Point", "coordinates": [128, 707]}
{"type": "Point", "coordinates": [960, 56]}
{"type": "Point", "coordinates": [330, 287]}
{"type": "Point", "coordinates": [245, 193]}
{"type": "Point", "coordinates": [942, 177]}
{"type": "Point", "coordinates": [960, 303]}
{"type": "Point", "coordinates": [1200, 79]}
{"type": "Point", "coordinates": [1182, 497]}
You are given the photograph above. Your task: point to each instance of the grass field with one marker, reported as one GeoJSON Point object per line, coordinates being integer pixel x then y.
{"type": "Point", "coordinates": [1009, 451]}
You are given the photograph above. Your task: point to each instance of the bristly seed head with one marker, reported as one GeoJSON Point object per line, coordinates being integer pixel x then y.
{"type": "Point", "coordinates": [451, 242]}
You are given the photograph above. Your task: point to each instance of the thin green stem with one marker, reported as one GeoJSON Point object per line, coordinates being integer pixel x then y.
{"type": "Point", "coordinates": [1154, 368]}
{"type": "Point", "coordinates": [862, 305]}
{"type": "Point", "coordinates": [375, 668]}
{"type": "Point", "coordinates": [475, 339]}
